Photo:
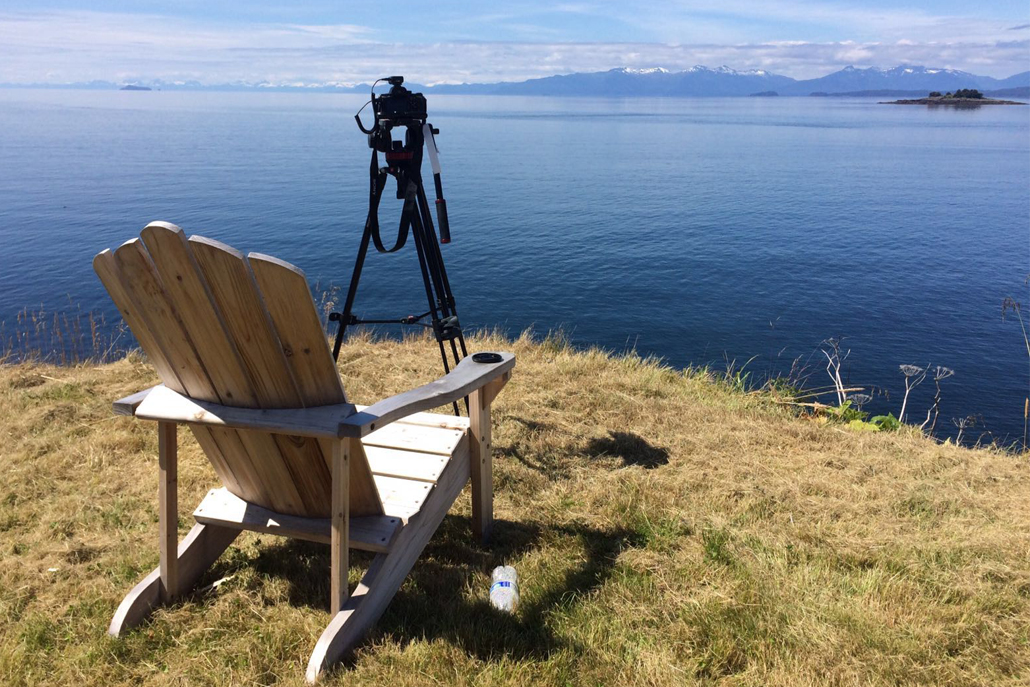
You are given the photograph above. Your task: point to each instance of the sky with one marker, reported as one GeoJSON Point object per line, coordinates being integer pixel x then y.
{"type": "Point", "coordinates": [321, 41]}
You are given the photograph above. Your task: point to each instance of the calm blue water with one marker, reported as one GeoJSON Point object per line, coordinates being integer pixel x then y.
{"type": "Point", "coordinates": [697, 230]}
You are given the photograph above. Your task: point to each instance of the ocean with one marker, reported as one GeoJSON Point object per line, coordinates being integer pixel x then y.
{"type": "Point", "coordinates": [714, 231]}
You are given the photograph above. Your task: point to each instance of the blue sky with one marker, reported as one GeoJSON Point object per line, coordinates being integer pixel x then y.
{"type": "Point", "coordinates": [445, 41]}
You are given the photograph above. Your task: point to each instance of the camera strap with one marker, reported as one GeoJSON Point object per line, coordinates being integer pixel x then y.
{"type": "Point", "coordinates": [375, 194]}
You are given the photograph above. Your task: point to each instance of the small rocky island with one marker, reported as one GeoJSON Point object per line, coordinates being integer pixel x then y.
{"type": "Point", "coordinates": [963, 97]}
{"type": "Point", "coordinates": [134, 87]}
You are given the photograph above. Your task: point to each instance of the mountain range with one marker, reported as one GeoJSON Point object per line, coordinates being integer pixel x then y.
{"type": "Point", "coordinates": [724, 81]}
{"type": "Point", "coordinates": [697, 81]}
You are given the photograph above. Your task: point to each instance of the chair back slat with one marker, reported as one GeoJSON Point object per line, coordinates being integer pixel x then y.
{"type": "Point", "coordinates": [219, 331]}
{"type": "Point", "coordinates": [287, 297]}
{"type": "Point", "coordinates": [187, 290]}
{"type": "Point", "coordinates": [137, 270]}
{"type": "Point", "coordinates": [110, 276]}
{"type": "Point", "coordinates": [247, 322]}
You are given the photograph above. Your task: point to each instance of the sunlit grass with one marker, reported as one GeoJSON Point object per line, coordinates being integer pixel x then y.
{"type": "Point", "coordinates": [668, 528]}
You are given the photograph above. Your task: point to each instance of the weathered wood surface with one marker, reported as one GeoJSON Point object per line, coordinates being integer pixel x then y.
{"type": "Point", "coordinates": [122, 293]}
{"type": "Point", "coordinates": [426, 439]}
{"type": "Point", "coordinates": [431, 419]}
{"type": "Point", "coordinates": [481, 464]}
{"type": "Point", "coordinates": [339, 533]}
{"type": "Point", "coordinates": [467, 376]}
{"type": "Point", "coordinates": [166, 405]}
{"type": "Point", "coordinates": [168, 508]}
{"type": "Point", "coordinates": [199, 314]}
{"type": "Point", "coordinates": [127, 406]}
{"type": "Point", "coordinates": [493, 388]}
{"type": "Point", "coordinates": [417, 433]}
{"type": "Point", "coordinates": [300, 463]}
{"type": "Point", "coordinates": [287, 297]}
{"type": "Point", "coordinates": [389, 462]}
{"type": "Point", "coordinates": [225, 509]}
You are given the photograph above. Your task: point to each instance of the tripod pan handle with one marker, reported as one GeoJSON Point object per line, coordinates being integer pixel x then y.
{"type": "Point", "coordinates": [441, 216]}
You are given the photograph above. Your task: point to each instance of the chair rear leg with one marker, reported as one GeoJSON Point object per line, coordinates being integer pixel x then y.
{"type": "Point", "coordinates": [181, 565]}
{"type": "Point", "coordinates": [201, 547]}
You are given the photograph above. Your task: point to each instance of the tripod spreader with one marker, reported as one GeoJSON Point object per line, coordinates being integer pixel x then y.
{"type": "Point", "coordinates": [446, 329]}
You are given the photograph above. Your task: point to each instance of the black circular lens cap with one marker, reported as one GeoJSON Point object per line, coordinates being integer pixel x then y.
{"type": "Point", "coordinates": [486, 357]}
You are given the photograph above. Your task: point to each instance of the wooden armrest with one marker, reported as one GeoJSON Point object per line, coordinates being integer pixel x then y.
{"type": "Point", "coordinates": [331, 421]}
{"type": "Point", "coordinates": [465, 378]}
{"type": "Point", "coordinates": [128, 405]}
{"type": "Point", "coordinates": [319, 421]}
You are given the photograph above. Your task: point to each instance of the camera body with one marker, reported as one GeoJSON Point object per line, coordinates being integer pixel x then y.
{"type": "Point", "coordinates": [398, 107]}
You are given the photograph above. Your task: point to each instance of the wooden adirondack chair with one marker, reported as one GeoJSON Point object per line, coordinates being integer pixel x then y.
{"type": "Point", "coordinates": [244, 363]}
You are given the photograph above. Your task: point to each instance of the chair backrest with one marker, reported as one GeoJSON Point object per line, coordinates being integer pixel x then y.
{"type": "Point", "coordinates": [244, 332]}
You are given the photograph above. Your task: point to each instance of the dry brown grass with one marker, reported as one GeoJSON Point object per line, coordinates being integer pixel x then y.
{"type": "Point", "coordinates": [667, 530]}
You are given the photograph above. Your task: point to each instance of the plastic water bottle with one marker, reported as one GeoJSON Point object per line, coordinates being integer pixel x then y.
{"type": "Point", "coordinates": [504, 592]}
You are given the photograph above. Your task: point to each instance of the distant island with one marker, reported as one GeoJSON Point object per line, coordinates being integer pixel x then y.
{"type": "Point", "coordinates": [133, 87]}
{"type": "Point", "coordinates": [963, 97]}
{"type": "Point", "coordinates": [765, 94]}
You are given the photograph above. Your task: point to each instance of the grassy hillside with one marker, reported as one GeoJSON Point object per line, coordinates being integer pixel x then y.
{"type": "Point", "coordinates": [667, 530]}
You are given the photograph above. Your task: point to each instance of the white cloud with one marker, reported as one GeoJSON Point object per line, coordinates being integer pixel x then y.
{"type": "Point", "coordinates": [82, 46]}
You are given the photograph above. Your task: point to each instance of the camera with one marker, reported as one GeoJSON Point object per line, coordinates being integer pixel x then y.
{"type": "Point", "coordinates": [398, 107]}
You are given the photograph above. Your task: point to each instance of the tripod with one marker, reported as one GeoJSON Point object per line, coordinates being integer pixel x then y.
{"type": "Point", "coordinates": [405, 164]}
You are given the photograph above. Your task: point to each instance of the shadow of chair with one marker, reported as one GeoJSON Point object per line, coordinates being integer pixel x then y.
{"type": "Point", "coordinates": [631, 448]}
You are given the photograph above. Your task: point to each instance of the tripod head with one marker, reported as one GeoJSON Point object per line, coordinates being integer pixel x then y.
{"type": "Point", "coordinates": [397, 108]}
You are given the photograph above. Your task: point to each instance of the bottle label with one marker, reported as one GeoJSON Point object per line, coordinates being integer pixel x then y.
{"type": "Point", "coordinates": [503, 584]}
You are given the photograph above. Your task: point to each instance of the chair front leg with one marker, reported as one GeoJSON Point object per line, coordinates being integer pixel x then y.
{"type": "Point", "coordinates": [168, 509]}
{"type": "Point", "coordinates": [481, 465]}
{"type": "Point", "coordinates": [340, 537]}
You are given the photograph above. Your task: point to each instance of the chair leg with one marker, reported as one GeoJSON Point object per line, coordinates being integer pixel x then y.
{"type": "Point", "coordinates": [481, 465]}
{"type": "Point", "coordinates": [180, 565]}
{"type": "Point", "coordinates": [168, 509]}
{"type": "Point", "coordinates": [386, 574]}
{"type": "Point", "coordinates": [340, 536]}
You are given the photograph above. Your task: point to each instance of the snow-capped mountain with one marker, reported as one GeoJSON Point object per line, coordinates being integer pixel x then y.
{"type": "Point", "coordinates": [901, 78]}
{"type": "Point", "coordinates": [726, 81]}
{"type": "Point", "coordinates": [654, 81]}
{"type": "Point", "coordinates": [627, 81]}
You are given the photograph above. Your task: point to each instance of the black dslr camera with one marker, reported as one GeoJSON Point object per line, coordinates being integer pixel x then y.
{"type": "Point", "coordinates": [400, 103]}
{"type": "Point", "coordinates": [399, 107]}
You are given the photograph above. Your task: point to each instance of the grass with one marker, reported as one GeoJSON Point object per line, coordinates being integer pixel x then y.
{"type": "Point", "coordinates": [668, 529]}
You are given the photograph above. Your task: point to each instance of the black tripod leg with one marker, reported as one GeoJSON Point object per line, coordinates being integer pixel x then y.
{"type": "Point", "coordinates": [434, 256]}
{"type": "Point", "coordinates": [430, 277]}
{"type": "Point", "coordinates": [431, 247]}
{"type": "Point", "coordinates": [352, 291]}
